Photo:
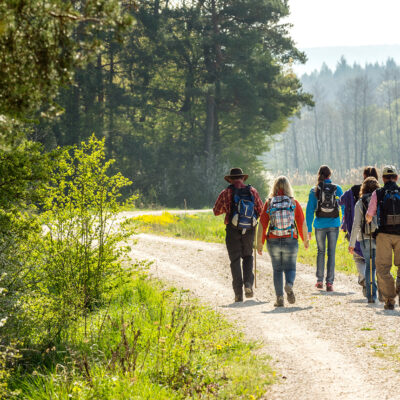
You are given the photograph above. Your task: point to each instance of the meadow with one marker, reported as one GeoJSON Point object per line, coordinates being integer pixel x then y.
{"type": "Point", "coordinates": [149, 342]}
{"type": "Point", "coordinates": [206, 227]}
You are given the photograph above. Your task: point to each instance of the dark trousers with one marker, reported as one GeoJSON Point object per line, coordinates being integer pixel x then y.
{"type": "Point", "coordinates": [240, 246]}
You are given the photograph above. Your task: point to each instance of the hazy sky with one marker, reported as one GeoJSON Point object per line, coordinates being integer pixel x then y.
{"type": "Point", "coordinates": [320, 23]}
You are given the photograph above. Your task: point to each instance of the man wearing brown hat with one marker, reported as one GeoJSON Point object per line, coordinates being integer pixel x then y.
{"type": "Point", "coordinates": [242, 206]}
{"type": "Point", "coordinates": [385, 203]}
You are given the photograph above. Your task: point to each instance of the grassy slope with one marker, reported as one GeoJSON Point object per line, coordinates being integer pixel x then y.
{"type": "Point", "coordinates": [151, 342]}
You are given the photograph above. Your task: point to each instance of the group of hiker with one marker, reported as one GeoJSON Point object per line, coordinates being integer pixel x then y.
{"type": "Point", "coordinates": [370, 219]}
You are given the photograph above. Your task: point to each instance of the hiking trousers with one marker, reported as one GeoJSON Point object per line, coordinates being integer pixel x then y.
{"type": "Point", "coordinates": [240, 246]}
{"type": "Point", "coordinates": [370, 264]}
{"type": "Point", "coordinates": [386, 245]}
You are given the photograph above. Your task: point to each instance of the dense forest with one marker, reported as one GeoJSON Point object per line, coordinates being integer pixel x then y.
{"type": "Point", "coordinates": [190, 90]}
{"type": "Point", "coordinates": [355, 121]}
{"type": "Point", "coordinates": [101, 100]}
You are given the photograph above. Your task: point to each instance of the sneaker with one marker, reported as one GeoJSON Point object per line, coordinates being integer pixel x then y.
{"type": "Point", "coordinates": [319, 285]}
{"type": "Point", "coordinates": [388, 305]}
{"type": "Point", "coordinates": [248, 291]}
{"type": "Point", "coordinates": [290, 294]}
{"type": "Point", "coordinates": [238, 298]}
{"type": "Point", "coordinates": [329, 287]}
{"type": "Point", "coordinates": [279, 301]}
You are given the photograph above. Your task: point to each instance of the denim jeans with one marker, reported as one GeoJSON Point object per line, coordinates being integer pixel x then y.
{"type": "Point", "coordinates": [365, 247]}
{"type": "Point", "coordinates": [283, 253]}
{"type": "Point", "coordinates": [322, 235]}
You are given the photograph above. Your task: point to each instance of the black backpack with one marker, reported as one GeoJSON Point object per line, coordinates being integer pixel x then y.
{"type": "Point", "coordinates": [366, 198]}
{"type": "Point", "coordinates": [388, 209]}
{"type": "Point", "coordinates": [327, 205]}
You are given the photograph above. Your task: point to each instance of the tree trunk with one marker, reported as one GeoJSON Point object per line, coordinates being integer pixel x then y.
{"type": "Point", "coordinates": [295, 148]}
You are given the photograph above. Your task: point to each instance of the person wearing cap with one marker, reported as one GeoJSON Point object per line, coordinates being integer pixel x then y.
{"type": "Point", "coordinates": [239, 243]}
{"type": "Point", "coordinates": [388, 233]}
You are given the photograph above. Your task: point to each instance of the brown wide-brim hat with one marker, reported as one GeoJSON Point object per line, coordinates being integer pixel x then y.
{"type": "Point", "coordinates": [235, 172]}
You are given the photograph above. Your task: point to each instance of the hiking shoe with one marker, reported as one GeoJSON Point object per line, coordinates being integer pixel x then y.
{"type": "Point", "coordinates": [290, 294]}
{"type": "Point", "coordinates": [279, 301]}
{"type": "Point", "coordinates": [248, 291]}
{"type": "Point", "coordinates": [238, 298]}
{"type": "Point", "coordinates": [371, 300]}
{"type": "Point", "coordinates": [329, 287]}
{"type": "Point", "coordinates": [388, 305]}
{"type": "Point", "coordinates": [319, 285]}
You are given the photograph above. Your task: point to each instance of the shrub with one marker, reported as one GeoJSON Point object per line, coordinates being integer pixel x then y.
{"type": "Point", "coordinates": [80, 252]}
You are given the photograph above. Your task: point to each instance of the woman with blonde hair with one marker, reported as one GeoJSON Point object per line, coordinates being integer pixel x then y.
{"type": "Point", "coordinates": [284, 218]}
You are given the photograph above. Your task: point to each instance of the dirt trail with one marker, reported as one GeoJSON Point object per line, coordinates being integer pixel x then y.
{"type": "Point", "coordinates": [322, 346]}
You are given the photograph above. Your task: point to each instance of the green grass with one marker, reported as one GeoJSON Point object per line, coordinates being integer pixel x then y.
{"type": "Point", "coordinates": [344, 260]}
{"type": "Point", "coordinates": [203, 226]}
{"type": "Point", "coordinates": [208, 228]}
{"type": "Point", "coordinates": [151, 342]}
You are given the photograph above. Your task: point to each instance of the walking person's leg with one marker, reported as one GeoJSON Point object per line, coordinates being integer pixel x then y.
{"type": "Point", "coordinates": [247, 253]}
{"type": "Point", "coordinates": [360, 265]}
{"type": "Point", "coordinates": [275, 251]}
{"type": "Point", "coordinates": [374, 285]}
{"type": "Point", "coordinates": [290, 248]}
{"type": "Point", "coordinates": [383, 266]}
{"type": "Point", "coordinates": [234, 247]}
{"type": "Point", "coordinates": [320, 237]}
{"type": "Point", "coordinates": [365, 247]}
{"type": "Point", "coordinates": [332, 234]}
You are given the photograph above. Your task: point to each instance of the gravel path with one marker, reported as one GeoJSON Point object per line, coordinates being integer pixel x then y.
{"type": "Point", "coordinates": [326, 346]}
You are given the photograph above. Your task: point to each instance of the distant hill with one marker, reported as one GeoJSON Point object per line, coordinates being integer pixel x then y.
{"type": "Point", "coordinates": [353, 54]}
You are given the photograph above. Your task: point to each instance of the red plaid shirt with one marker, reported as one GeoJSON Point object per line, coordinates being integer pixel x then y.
{"type": "Point", "coordinates": [224, 202]}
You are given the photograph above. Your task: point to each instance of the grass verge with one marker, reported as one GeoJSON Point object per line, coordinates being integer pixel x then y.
{"type": "Point", "coordinates": [208, 228]}
{"type": "Point", "coordinates": [203, 226]}
{"type": "Point", "coordinates": [150, 342]}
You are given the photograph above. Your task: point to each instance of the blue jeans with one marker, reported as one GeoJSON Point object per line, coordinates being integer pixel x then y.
{"type": "Point", "coordinates": [322, 235]}
{"type": "Point", "coordinates": [283, 253]}
{"type": "Point", "coordinates": [365, 248]}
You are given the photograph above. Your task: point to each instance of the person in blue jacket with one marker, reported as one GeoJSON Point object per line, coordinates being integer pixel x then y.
{"type": "Point", "coordinates": [323, 212]}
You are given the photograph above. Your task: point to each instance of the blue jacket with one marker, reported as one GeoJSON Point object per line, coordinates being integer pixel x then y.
{"type": "Point", "coordinates": [320, 223]}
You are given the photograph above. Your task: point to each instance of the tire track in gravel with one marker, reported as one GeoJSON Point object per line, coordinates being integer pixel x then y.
{"type": "Point", "coordinates": [321, 346]}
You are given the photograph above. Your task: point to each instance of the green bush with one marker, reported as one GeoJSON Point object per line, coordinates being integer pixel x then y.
{"type": "Point", "coordinates": [59, 264]}
{"type": "Point", "coordinates": [79, 254]}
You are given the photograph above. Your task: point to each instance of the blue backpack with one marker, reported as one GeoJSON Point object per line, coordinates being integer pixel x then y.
{"type": "Point", "coordinates": [243, 215]}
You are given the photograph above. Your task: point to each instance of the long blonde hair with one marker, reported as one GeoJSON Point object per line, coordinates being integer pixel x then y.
{"type": "Point", "coordinates": [281, 183]}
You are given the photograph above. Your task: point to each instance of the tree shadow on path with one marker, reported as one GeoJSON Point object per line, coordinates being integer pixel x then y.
{"type": "Point", "coordinates": [287, 310]}
{"type": "Point", "coordinates": [323, 293]}
{"type": "Point", "coordinates": [247, 303]}
{"type": "Point", "coordinates": [389, 313]}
